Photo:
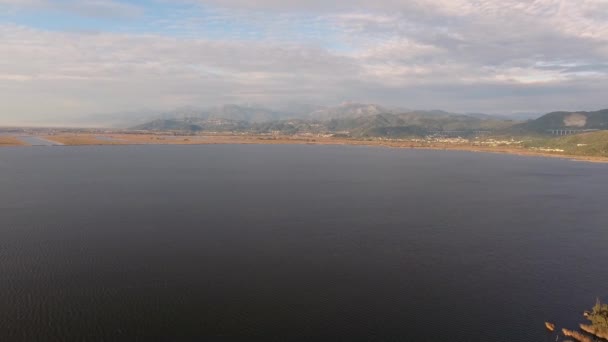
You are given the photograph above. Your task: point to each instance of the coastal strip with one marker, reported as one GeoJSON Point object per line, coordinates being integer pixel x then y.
{"type": "Point", "coordinates": [204, 139]}
{"type": "Point", "coordinates": [82, 139]}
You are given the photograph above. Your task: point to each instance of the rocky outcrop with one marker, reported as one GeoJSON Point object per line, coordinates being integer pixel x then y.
{"type": "Point", "coordinates": [601, 333]}
{"type": "Point", "coordinates": [599, 327]}
{"type": "Point", "coordinates": [577, 335]}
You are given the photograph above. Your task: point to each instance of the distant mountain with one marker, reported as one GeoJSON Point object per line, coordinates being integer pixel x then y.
{"type": "Point", "coordinates": [352, 119]}
{"type": "Point", "coordinates": [221, 118]}
{"type": "Point", "coordinates": [194, 125]}
{"type": "Point", "coordinates": [234, 115]}
{"type": "Point", "coordinates": [114, 120]}
{"type": "Point", "coordinates": [230, 116]}
{"type": "Point", "coordinates": [415, 123]}
{"type": "Point", "coordinates": [511, 116]}
{"type": "Point", "coordinates": [297, 110]}
{"type": "Point", "coordinates": [521, 116]}
{"type": "Point", "coordinates": [566, 120]}
{"type": "Point", "coordinates": [348, 110]}
{"type": "Point", "coordinates": [193, 115]}
{"type": "Point", "coordinates": [237, 113]}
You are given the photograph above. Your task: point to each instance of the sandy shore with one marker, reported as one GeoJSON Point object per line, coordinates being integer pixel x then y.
{"type": "Point", "coordinates": [157, 139]}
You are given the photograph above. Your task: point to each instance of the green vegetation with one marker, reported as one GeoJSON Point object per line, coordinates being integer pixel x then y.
{"type": "Point", "coordinates": [599, 316]}
{"type": "Point", "coordinates": [415, 124]}
{"type": "Point", "coordinates": [564, 120]}
{"type": "Point", "coordinates": [411, 124]}
{"type": "Point", "coordinates": [586, 144]}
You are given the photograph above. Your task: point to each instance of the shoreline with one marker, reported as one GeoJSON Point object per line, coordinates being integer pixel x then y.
{"type": "Point", "coordinates": [156, 139]}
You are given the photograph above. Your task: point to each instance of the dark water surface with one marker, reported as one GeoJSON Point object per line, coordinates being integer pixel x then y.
{"type": "Point", "coordinates": [277, 243]}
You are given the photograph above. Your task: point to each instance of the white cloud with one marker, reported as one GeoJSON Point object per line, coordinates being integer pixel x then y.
{"type": "Point", "coordinates": [107, 72]}
{"type": "Point", "coordinates": [86, 8]}
{"type": "Point", "coordinates": [478, 55]}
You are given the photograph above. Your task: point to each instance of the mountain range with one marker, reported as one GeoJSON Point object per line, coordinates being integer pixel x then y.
{"type": "Point", "coordinates": [359, 120]}
{"type": "Point", "coordinates": [366, 120]}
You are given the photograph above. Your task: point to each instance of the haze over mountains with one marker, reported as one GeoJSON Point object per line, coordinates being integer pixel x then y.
{"type": "Point", "coordinates": [257, 114]}
{"type": "Point", "coordinates": [365, 120]}
{"type": "Point", "coordinates": [347, 116]}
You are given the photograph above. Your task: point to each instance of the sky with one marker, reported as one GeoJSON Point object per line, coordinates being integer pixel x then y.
{"type": "Point", "coordinates": [64, 60]}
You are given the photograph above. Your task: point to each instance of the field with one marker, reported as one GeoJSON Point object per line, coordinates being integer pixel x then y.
{"type": "Point", "coordinates": [81, 139]}
{"type": "Point", "coordinates": [157, 139]}
{"type": "Point", "coordinates": [10, 141]}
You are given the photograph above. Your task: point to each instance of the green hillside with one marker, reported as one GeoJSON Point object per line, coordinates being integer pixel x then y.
{"type": "Point", "coordinates": [414, 124]}
{"type": "Point", "coordinates": [565, 120]}
{"type": "Point", "coordinates": [587, 144]}
{"type": "Point", "coordinates": [372, 125]}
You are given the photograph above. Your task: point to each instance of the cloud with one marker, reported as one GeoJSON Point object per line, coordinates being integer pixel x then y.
{"type": "Point", "coordinates": [107, 9]}
{"type": "Point", "coordinates": [341, 5]}
{"type": "Point", "coordinates": [107, 72]}
{"type": "Point", "coordinates": [477, 55]}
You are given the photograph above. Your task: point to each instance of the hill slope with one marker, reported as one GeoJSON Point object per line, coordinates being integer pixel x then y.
{"type": "Point", "coordinates": [368, 125]}
{"type": "Point", "coordinates": [234, 113]}
{"type": "Point", "coordinates": [566, 120]}
{"type": "Point", "coordinates": [348, 110]}
{"type": "Point", "coordinates": [415, 124]}
{"type": "Point", "coordinates": [586, 144]}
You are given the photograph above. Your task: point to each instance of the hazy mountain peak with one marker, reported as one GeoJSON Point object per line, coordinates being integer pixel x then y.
{"type": "Point", "coordinates": [349, 110]}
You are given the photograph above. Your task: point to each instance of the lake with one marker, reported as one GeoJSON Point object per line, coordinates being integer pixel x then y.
{"type": "Point", "coordinates": [276, 243]}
